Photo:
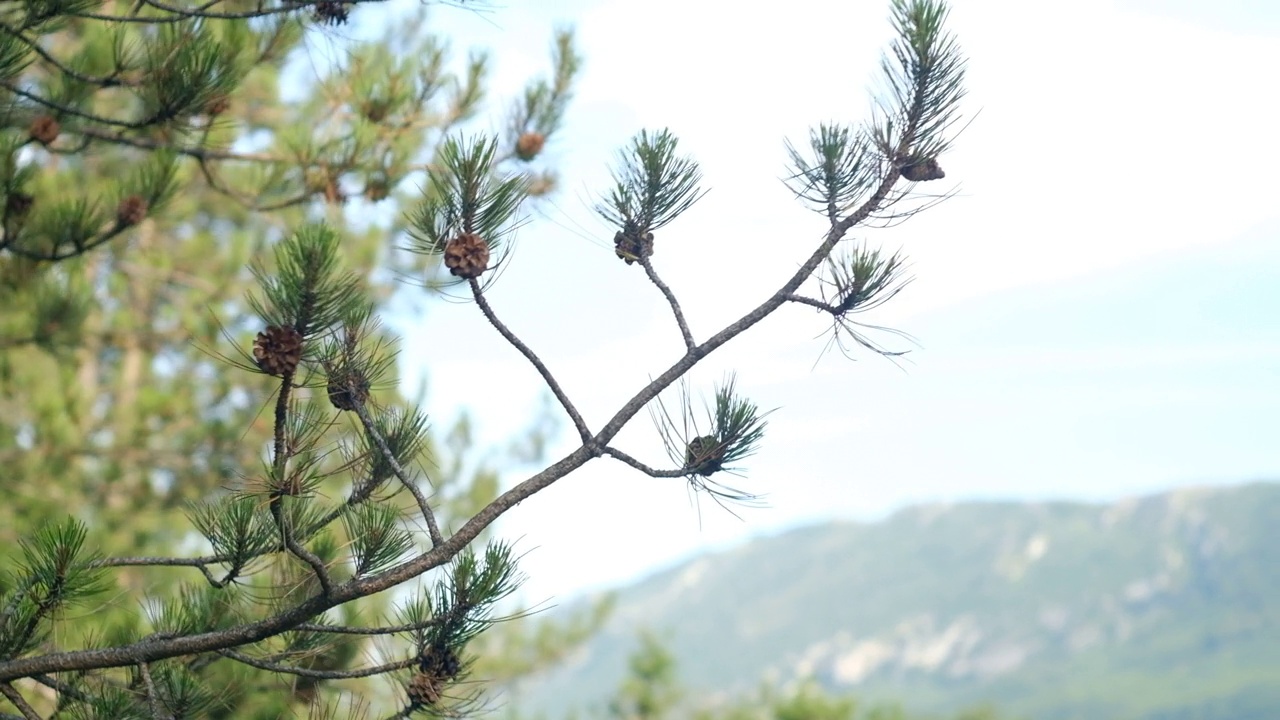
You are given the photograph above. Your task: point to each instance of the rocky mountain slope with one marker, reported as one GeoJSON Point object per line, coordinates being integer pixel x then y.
{"type": "Point", "coordinates": [1164, 607]}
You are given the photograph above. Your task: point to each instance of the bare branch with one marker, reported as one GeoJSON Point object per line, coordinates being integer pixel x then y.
{"type": "Point", "coordinates": [317, 674]}
{"type": "Point", "coordinates": [152, 702]}
{"type": "Point", "coordinates": [352, 630]}
{"type": "Point", "coordinates": [578, 422]}
{"type": "Point", "coordinates": [802, 300]}
{"type": "Point", "coordinates": [651, 472]}
{"type": "Point", "coordinates": [671, 298]}
{"type": "Point", "coordinates": [12, 694]}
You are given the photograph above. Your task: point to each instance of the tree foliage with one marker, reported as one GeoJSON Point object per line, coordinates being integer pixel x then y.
{"type": "Point", "coordinates": [192, 346]}
{"type": "Point", "coordinates": [652, 690]}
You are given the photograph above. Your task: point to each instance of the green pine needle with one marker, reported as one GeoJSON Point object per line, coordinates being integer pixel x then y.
{"type": "Point", "coordinates": [464, 194]}
{"type": "Point", "coordinates": [378, 540]}
{"type": "Point", "coordinates": [652, 185]}
{"type": "Point", "coordinates": [307, 290]}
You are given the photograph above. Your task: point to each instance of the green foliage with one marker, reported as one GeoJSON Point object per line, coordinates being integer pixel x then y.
{"type": "Point", "coordinates": [307, 291]}
{"type": "Point", "coordinates": [53, 573]}
{"type": "Point", "coordinates": [463, 196]}
{"type": "Point", "coordinates": [731, 432]}
{"type": "Point", "coordinates": [652, 184]}
{"type": "Point", "coordinates": [189, 214]}
{"type": "Point", "coordinates": [650, 691]}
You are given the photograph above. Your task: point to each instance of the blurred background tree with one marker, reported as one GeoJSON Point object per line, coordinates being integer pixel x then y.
{"type": "Point", "coordinates": [145, 159]}
{"type": "Point", "coordinates": [652, 690]}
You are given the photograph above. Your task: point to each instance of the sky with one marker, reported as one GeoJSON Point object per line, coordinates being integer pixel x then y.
{"type": "Point", "coordinates": [1095, 309]}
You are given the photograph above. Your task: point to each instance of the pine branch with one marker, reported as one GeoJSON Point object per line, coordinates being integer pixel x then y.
{"type": "Point", "coordinates": [424, 507]}
{"type": "Point", "coordinates": [12, 695]}
{"type": "Point", "coordinates": [150, 687]}
{"type": "Point", "coordinates": [671, 299]}
{"type": "Point", "coordinates": [316, 674]}
{"type": "Point", "coordinates": [651, 472]}
{"type": "Point", "coordinates": [578, 423]}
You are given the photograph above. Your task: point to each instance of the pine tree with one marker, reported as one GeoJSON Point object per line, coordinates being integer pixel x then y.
{"type": "Point", "coordinates": [651, 690]}
{"type": "Point", "coordinates": [106, 335]}
{"type": "Point", "coordinates": [241, 480]}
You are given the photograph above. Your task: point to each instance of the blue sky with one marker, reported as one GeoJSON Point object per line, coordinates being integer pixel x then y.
{"type": "Point", "coordinates": [1096, 309]}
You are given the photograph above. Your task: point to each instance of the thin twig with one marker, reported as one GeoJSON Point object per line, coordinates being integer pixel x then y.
{"type": "Point", "coordinates": [276, 506]}
{"type": "Point", "coordinates": [182, 15]}
{"type": "Point", "coordinates": [10, 692]}
{"type": "Point", "coordinates": [352, 630]}
{"type": "Point", "coordinates": [432, 528]}
{"type": "Point", "coordinates": [583, 432]}
{"type": "Point", "coordinates": [317, 674]}
{"type": "Point", "coordinates": [64, 688]}
{"type": "Point", "coordinates": [825, 307]}
{"type": "Point", "coordinates": [689, 344]}
{"type": "Point", "coordinates": [651, 472]}
{"type": "Point", "coordinates": [152, 701]}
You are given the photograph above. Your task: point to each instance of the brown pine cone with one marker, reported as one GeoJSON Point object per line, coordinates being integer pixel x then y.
{"type": "Point", "coordinates": [278, 350]}
{"type": "Point", "coordinates": [630, 245]}
{"type": "Point", "coordinates": [466, 256]}
{"type": "Point", "coordinates": [44, 129]}
{"type": "Point", "coordinates": [440, 662]}
{"type": "Point", "coordinates": [424, 689]}
{"type": "Point", "coordinates": [347, 388]}
{"type": "Point", "coordinates": [529, 145]}
{"type": "Point", "coordinates": [131, 211]}
{"type": "Point", "coordinates": [923, 170]}
{"type": "Point", "coordinates": [704, 455]}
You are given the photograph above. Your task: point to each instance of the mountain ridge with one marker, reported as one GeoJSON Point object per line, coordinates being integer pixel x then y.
{"type": "Point", "coordinates": [952, 604]}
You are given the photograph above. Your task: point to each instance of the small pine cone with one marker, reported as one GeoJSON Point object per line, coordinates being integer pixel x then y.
{"type": "Point", "coordinates": [704, 455]}
{"type": "Point", "coordinates": [375, 110]}
{"type": "Point", "coordinates": [331, 12]}
{"type": "Point", "coordinates": [424, 689]}
{"type": "Point", "coordinates": [347, 388]}
{"type": "Point", "coordinates": [923, 170]}
{"type": "Point", "coordinates": [217, 106]}
{"type": "Point", "coordinates": [18, 204]}
{"type": "Point", "coordinates": [466, 256]}
{"type": "Point", "coordinates": [439, 662]}
{"type": "Point", "coordinates": [529, 145]}
{"type": "Point", "coordinates": [131, 211]}
{"type": "Point", "coordinates": [377, 190]}
{"type": "Point", "coordinates": [44, 129]}
{"type": "Point", "coordinates": [278, 350]}
{"type": "Point", "coordinates": [630, 245]}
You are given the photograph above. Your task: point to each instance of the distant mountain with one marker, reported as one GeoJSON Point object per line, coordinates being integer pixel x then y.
{"type": "Point", "coordinates": [1156, 608]}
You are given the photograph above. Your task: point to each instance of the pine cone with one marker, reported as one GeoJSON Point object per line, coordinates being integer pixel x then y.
{"type": "Point", "coordinates": [131, 211]}
{"type": "Point", "coordinates": [466, 256]}
{"type": "Point", "coordinates": [44, 129]}
{"type": "Point", "coordinates": [440, 662]}
{"type": "Point", "coordinates": [18, 204]}
{"type": "Point", "coordinates": [347, 388]}
{"type": "Point", "coordinates": [278, 350]}
{"type": "Point", "coordinates": [217, 105]}
{"type": "Point", "coordinates": [704, 455]}
{"type": "Point", "coordinates": [630, 245]}
{"type": "Point", "coordinates": [529, 145]}
{"type": "Point", "coordinates": [923, 170]}
{"type": "Point", "coordinates": [377, 190]}
{"type": "Point", "coordinates": [331, 12]}
{"type": "Point", "coordinates": [424, 689]}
